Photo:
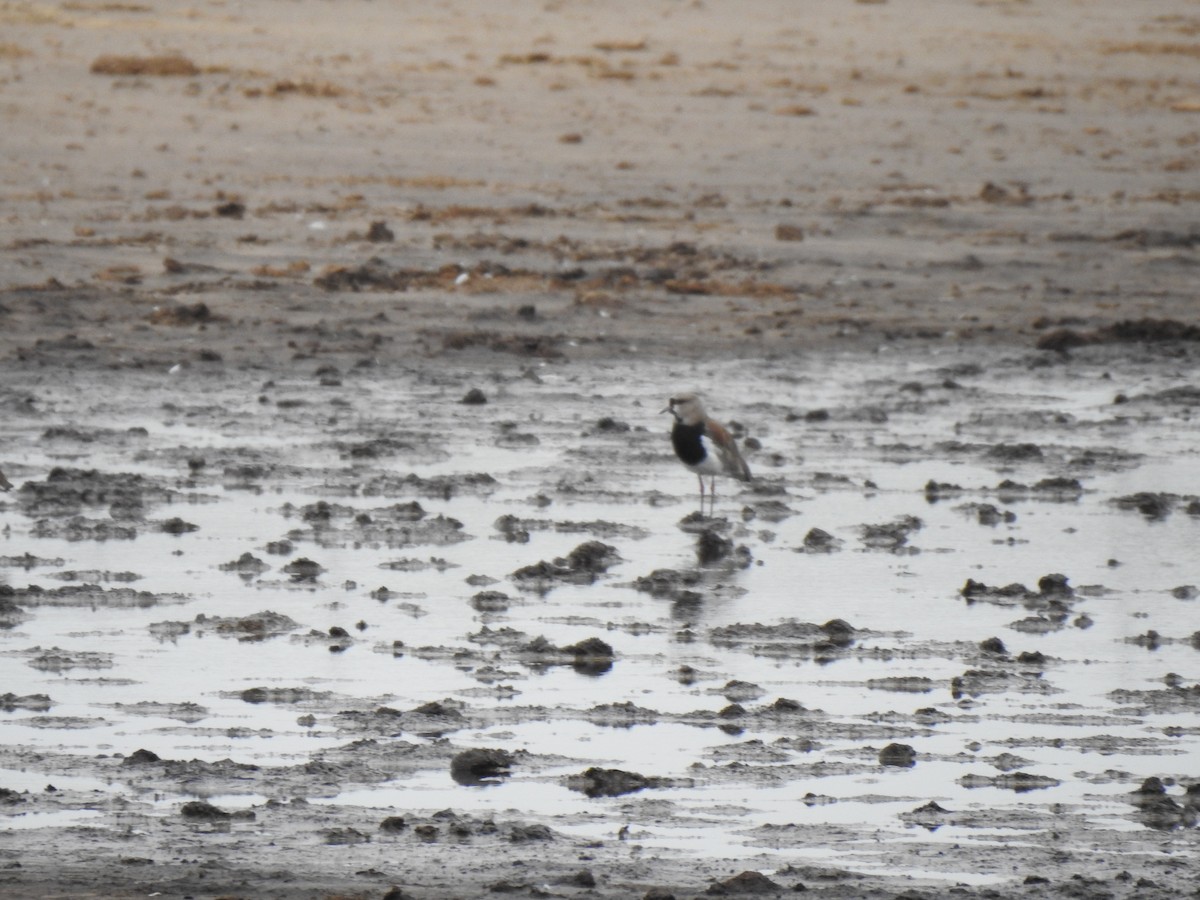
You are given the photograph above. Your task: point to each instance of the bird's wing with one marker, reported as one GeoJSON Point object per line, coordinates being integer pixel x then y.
{"type": "Point", "coordinates": [727, 451]}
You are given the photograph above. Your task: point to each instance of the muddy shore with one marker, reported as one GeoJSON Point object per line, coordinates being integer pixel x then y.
{"type": "Point", "coordinates": [346, 556]}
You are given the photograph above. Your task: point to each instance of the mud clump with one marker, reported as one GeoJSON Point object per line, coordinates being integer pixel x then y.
{"type": "Point", "coordinates": [11, 614]}
{"type": "Point", "coordinates": [10, 702]}
{"type": "Point", "coordinates": [940, 490]}
{"type": "Point", "coordinates": [204, 811]}
{"type": "Point", "coordinates": [246, 564]}
{"type": "Point", "coordinates": [490, 602]}
{"type": "Point", "coordinates": [177, 525]}
{"type": "Point", "coordinates": [789, 639]}
{"type": "Point", "coordinates": [286, 696]}
{"type": "Point", "coordinates": [993, 646]}
{"type": "Point", "coordinates": [989, 515]}
{"type": "Point", "coordinates": [1053, 489]}
{"type": "Point", "coordinates": [377, 448]}
{"type": "Point", "coordinates": [930, 816]}
{"type": "Point", "coordinates": [393, 825]}
{"type": "Point", "coordinates": [591, 656]}
{"type": "Point", "coordinates": [748, 882]}
{"type": "Point", "coordinates": [303, 570]}
{"type": "Point", "coordinates": [1154, 506]}
{"type": "Point", "coordinates": [898, 755]}
{"type": "Point", "coordinates": [581, 566]}
{"type": "Point", "coordinates": [891, 536]}
{"type": "Point", "coordinates": [254, 626]}
{"type": "Point", "coordinates": [1020, 782]}
{"type": "Point", "coordinates": [9, 797]}
{"type": "Point", "coordinates": [481, 766]}
{"type": "Point", "coordinates": [817, 540]}
{"type": "Point", "coordinates": [1054, 593]}
{"type": "Point", "coordinates": [439, 710]}
{"type": "Point", "coordinates": [442, 487]}
{"type": "Point", "coordinates": [344, 837]}
{"type": "Point", "coordinates": [670, 584]}
{"type": "Point", "coordinates": [67, 492]}
{"type": "Point", "coordinates": [1015, 452]}
{"type": "Point", "coordinates": [336, 525]}
{"type": "Point", "coordinates": [1056, 488]}
{"type": "Point", "coordinates": [601, 782]}
{"type": "Point", "coordinates": [141, 757]}
{"type": "Point", "coordinates": [593, 557]}
{"type": "Point", "coordinates": [608, 425]}
{"type": "Point", "coordinates": [1157, 810]}
{"type": "Point", "coordinates": [87, 595]}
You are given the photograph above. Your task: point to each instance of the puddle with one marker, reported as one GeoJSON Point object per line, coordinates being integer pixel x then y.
{"type": "Point", "coordinates": [32, 821]}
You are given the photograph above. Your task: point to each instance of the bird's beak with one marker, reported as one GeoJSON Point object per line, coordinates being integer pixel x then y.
{"type": "Point", "coordinates": [665, 409]}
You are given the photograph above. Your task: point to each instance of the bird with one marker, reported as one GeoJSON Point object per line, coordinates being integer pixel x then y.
{"type": "Point", "coordinates": [703, 445]}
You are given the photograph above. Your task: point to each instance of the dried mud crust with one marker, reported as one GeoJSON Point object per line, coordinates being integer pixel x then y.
{"type": "Point", "coordinates": [869, 208]}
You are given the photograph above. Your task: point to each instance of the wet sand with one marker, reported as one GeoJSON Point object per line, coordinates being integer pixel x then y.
{"type": "Point", "coordinates": [346, 554]}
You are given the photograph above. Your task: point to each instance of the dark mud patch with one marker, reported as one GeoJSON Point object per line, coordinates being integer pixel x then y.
{"type": "Point", "coordinates": [188, 713]}
{"type": "Point", "coordinates": [481, 766]}
{"type": "Point", "coordinates": [68, 492]}
{"type": "Point", "coordinates": [892, 536]}
{"type": "Point", "coordinates": [443, 487]}
{"type": "Point", "coordinates": [794, 639]}
{"type": "Point", "coordinates": [89, 596]}
{"type": "Point", "coordinates": [1157, 505]}
{"type": "Point", "coordinates": [252, 627]}
{"type": "Point", "coordinates": [583, 565]}
{"type": "Point", "coordinates": [591, 656]}
{"type": "Point", "coordinates": [1061, 489]}
{"type": "Point", "coordinates": [1126, 331]}
{"type": "Point", "coordinates": [55, 659]}
{"type": "Point", "coordinates": [1054, 591]}
{"type": "Point", "coordinates": [10, 702]}
{"type": "Point", "coordinates": [599, 782]}
{"type": "Point", "coordinates": [399, 525]}
{"type": "Point", "coordinates": [517, 529]}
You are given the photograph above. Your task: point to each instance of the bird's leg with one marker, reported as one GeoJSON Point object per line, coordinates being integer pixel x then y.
{"type": "Point", "coordinates": [700, 478]}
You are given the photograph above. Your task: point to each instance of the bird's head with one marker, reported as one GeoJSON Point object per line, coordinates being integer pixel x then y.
{"type": "Point", "coordinates": [686, 408]}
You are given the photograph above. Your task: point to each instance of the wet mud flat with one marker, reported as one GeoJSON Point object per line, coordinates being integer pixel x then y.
{"type": "Point", "coordinates": [382, 637]}
{"type": "Point", "coordinates": [346, 554]}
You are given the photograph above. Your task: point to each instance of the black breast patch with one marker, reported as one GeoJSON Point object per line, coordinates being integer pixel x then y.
{"type": "Point", "coordinates": [688, 446]}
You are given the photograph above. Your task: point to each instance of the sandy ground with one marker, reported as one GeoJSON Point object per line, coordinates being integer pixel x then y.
{"type": "Point", "coordinates": [336, 196]}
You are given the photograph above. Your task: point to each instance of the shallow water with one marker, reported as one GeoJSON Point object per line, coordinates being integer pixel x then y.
{"type": "Point", "coordinates": [882, 441]}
